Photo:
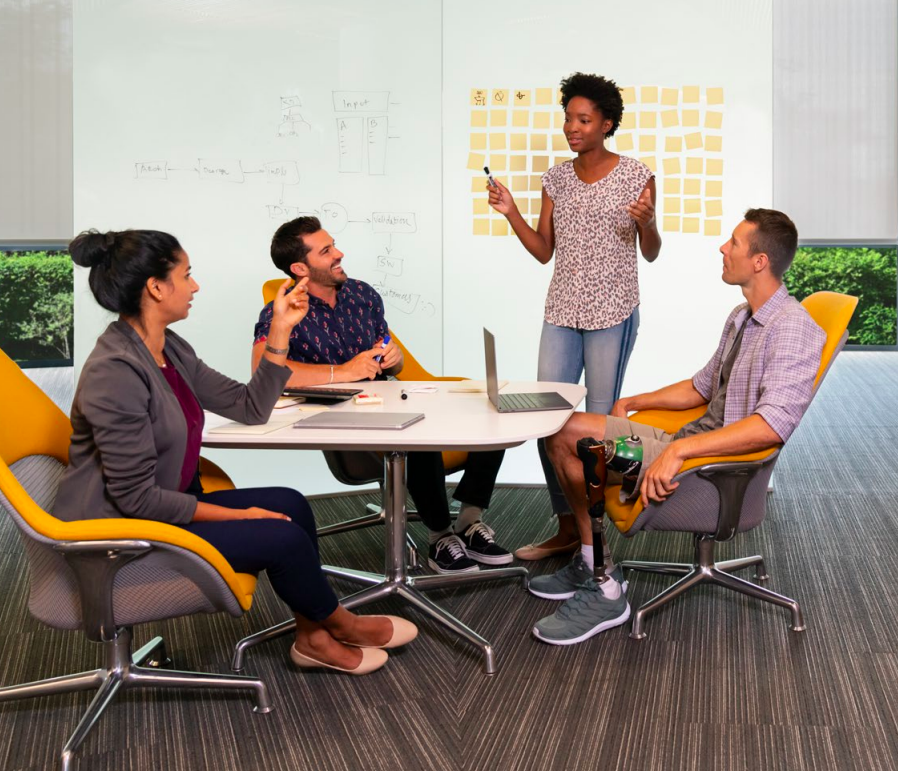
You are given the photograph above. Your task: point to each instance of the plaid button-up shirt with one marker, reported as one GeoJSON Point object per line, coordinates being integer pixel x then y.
{"type": "Point", "coordinates": [776, 365]}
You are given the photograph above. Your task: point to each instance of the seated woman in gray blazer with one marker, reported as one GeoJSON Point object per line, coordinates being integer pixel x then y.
{"type": "Point", "coordinates": [137, 423]}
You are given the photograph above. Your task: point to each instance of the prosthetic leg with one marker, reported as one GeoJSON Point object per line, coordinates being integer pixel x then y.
{"type": "Point", "coordinates": [623, 455]}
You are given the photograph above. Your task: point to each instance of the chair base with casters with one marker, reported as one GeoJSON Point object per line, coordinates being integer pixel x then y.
{"type": "Point", "coordinates": [395, 580]}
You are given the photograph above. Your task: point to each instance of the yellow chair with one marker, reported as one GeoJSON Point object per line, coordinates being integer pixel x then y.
{"type": "Point", "coordinates": [104, 575]}
{"type": "Point", "coordinates": [718, 497]}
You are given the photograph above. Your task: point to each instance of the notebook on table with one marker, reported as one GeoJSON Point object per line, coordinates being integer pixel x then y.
{"type": "Point", "coordinates": [360, 420]}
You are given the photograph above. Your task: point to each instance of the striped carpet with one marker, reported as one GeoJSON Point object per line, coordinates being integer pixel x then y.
{"type": "Point", "coordinates": [720, 683]}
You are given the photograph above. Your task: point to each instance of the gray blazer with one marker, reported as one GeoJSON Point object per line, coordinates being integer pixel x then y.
{"type": "Point", "coordinates": [129, 433]}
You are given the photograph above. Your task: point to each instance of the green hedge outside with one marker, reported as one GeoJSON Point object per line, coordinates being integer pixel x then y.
{"type": "Point", "coordinates": [866, 273]}
{"type": "Point", "coordinates": [36, 305]}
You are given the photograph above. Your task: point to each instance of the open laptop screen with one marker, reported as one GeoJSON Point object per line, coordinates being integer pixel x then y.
{"type": "Point", "coordinates": [492, 379]}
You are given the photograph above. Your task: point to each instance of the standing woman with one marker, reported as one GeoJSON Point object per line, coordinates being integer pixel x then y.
{"type": "Point", "coordinates": [593, 210]}
{"type": "Point", "coordinates": [137, 421]}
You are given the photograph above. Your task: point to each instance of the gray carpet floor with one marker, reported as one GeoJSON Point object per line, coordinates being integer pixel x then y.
{"type": "Point", "coordinates": [720, 682]}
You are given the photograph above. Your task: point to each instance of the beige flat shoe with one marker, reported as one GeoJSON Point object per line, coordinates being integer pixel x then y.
{"type": "Point", "coordinates": [403, 632]}
{"type": "Point", "coordinates": [372, 659]}
{"type": "Point", "coordinates": [534, 552]}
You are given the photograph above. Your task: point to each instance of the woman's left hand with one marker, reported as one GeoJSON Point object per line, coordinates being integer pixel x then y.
{"type": "Point", "coordinates": [291, 307]}
{"type": "Point", "coordinates": [642, 210]}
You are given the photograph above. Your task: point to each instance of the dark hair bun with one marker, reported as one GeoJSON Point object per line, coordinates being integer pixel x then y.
{"type": "Point", "coordinates": [92, 248]}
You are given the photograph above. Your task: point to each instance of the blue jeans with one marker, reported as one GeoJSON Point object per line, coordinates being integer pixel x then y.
{"type": "Point", "coordinates": [564, 354]}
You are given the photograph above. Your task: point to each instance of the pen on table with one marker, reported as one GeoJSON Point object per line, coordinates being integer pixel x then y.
{"type": "Point", "coordinates": [489, 177]}
{"type": "Point", "coordinates": [403, 394]}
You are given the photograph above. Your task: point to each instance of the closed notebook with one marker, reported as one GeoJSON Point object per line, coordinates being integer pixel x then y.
{"type": "Point", "coordinates": [278, 420]}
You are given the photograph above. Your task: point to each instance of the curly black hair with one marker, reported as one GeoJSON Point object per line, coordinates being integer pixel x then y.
{"type": "Point", "coordinates": [603, 93]}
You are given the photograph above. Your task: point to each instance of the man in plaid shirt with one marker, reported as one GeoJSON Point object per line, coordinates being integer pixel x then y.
{"type": "Point", "coordinates": [757, 386]}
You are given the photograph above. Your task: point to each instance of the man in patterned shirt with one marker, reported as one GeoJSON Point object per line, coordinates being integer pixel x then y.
{"type": "Point", "coordinates": [757, 386]}
{"type": "Point", "coordinates": [340, 341]}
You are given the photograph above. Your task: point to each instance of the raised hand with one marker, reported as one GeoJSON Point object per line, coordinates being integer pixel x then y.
{"type": "Point", "coordinates": [501, 198]}
{"type": "Point", "coordinates": [642, 210]}
{"type": "Point", "coordinates": [291, 307]}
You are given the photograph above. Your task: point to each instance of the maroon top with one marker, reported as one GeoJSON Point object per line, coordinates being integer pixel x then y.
{"type": "Point", "coordinates": [195, 418]}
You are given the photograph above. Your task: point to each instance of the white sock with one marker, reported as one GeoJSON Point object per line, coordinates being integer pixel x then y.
{"type": "Point", "coordinates": [610, 588]}
{"type": "Point", "coordinates": [467, 516]}
{"type": "Point", "coordinates": [588, 558]}
{"type": "Point", "coordinates": [435, 535]}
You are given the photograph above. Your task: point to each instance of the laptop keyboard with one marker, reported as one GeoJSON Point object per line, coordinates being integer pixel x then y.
{"type": "Point", "coordinates": [519, 401]}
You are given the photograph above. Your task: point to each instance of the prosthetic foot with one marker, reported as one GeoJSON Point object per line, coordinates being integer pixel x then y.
{"type": "Point", "coordinates": [593, 456]}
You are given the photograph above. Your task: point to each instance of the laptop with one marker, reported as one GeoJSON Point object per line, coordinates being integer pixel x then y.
{"type": "Point", "coordinates": [532, 402]}
{"type": "Point", "coordinates": [361, 420]}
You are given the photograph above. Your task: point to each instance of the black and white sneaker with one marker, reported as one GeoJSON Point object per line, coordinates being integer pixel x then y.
{"type": "Point", "coordinates": [482, 547]}
{"type": "Point", "coordinates": [448, 555]}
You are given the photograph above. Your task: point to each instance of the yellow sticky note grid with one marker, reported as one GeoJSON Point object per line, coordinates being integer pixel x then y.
{"type": "Point", "coordinates": [714, 144]}
{"type": "Point", "coordinates": [690, 224]}
{"type": "Point", "coordinates": [498, 141]}
{"type": "Point", "coordinates": [692, 206]}
{"type": "Point", "coordinates": [518, 141]}
{"type": "Point", "coordinates": [690, 118]}
{"type": "Point", "coordinates": [541, 120]}
{"type": "Point", "coordinates": [628, 94]}
{"type": "Point", "coordinates": [671, 225]}
{"type": "Point", "coordinates": [627, 121]}
{"type": "Point", "coordinates": [670, 118]}
{"type": "Point", "coordinates": [714, 95]}
{"type": "Point", "coordinates": [536, 182]}
{"type": "Point", "coordinates": [544, 96]}
{"type": "Point", "coordinates": [499, 227]}
{"type": "Point", "coordinates": [481, 206]}
{"type": "Point", "coordinates": [670, 96]}
{"type": "Point", "coordinates": [714, 188]}
{"type": "Point", "coordinates": [479, 97]}
{"type": "Point", "coordinates": [671, 185]}
{"type": "Point", "coordinates": [520, 118]}
{"type": "Point", "coordinates": [692, 187]}
{"type": "Point", "coordinates": [517, 163]}
{"type": "Point", "coordinates": [479, 118]}
{"type": "Point", "coordinates": [498, 162]}
{"type": "Point", "coordinates": [714, 208]}
{"type": "Point", "coordinates": [476, 161]}
{"type": "Point", "coordinates": [478, 141]}
{"type": "Point", "coordinates": [691, 93]}
{"type": "Point", "coordinates": [712, 227]}
{"type": "Point", "coordinates": [671, 165]}
{"type": "Point", "coordinates": [713, 120]}
{"type": "Point", "coordinates": [624, 142]}
{"type": "Point", "coordinates": [518, 184]}
{"type": "Point", "coordinates": [646, 143]}
{"type": "Point", "coordinates": [714, 167]}
{"type": "Point", "coordinates": [538, 141]}
{"type": "Point", "coordinates": [539, 163]}
{"type": "Point", "coordinates": [481, 227]}
{"type": "Point", "coordinates": [673, 144]}
{"type": "Point", "coordinates": [694, 165]}
{"type": "Point", "coordinates": [498, 117]}
{"type": "Point", "coordinates": [500, 96]}
{"type": "Point", "coordinates": [671, 206]}
{"type": "Point", "coordinates": [648, 119]}
{"type": "Point", "coordinates": [693, 141]}
{"type": "Point", "coordinates": [521, 99]}
{"type": "Point", "coordinates": [648, 94]}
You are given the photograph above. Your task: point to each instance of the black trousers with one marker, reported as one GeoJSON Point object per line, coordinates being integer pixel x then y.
{"type": "Point", "coordinates": [427, 484]}
{"type": "Point", "coordinates": [287, 551]}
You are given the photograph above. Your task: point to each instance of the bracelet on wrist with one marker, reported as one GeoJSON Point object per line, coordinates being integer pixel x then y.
{"type": "Point", "coordinates": [332, 375]}
{"type": "Point", "coordinates": [277, 351]}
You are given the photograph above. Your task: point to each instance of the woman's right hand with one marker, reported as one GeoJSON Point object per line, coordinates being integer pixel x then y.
{"type": "Point", "coordinates": [290, 306]}
{"type": "Point", "coordinates": [501, 199]}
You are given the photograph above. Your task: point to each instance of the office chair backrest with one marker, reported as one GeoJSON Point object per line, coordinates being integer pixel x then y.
{"type": "Point", "coordinates": [832, 312]}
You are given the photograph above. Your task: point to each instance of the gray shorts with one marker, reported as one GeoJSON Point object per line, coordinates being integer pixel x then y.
{"type": "Point", "coordinates": [654, 440]}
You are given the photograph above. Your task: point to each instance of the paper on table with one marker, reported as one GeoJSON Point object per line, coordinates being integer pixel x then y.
{"type": "Point", "coordinates": [472, 386]}
{"type": "Point", "coordinates": [281, 420]}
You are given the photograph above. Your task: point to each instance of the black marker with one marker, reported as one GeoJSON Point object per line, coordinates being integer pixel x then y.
{"type": "Point", "coordinates": [489, 177]}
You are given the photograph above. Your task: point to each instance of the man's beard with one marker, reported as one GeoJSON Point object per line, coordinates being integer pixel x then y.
{"type": "Point", "coordinates": [326, 277]}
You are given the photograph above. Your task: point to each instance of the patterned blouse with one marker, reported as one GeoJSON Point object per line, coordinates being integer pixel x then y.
{"type": "Point", "coordinates": [595, 284]}
{"type": "Point", "coordinates": [333, 335]}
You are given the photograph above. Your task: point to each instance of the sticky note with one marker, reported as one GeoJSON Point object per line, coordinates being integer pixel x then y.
{"type": "Point", "coordinates": [498, 162]}
{"type": "Point", "coordinates": [541, 120]}
{"type": "Point", "coordinates": [648, 94]}
{"type": "Point", "coordinates": [476, 161]}
{"type": "Point", "coordinates": [479, 97]}
{"type": "Point", "coordinates": [500, 227]}
{"type": "Point", "coordinates": [646, 143]}
{"type": "Point", "coordinates": [536, 182]}
{"type": "Point", "coordinates": [500, 96]}
{"type": "Point", "coordinates": [559, 142]}
{"type": "Point", "coordinates": [520, 118]}
{"type": "Point", "coordinates": [521, 98]}
{"type": "Point", "coordinates": [628, 94]}
{"type": "Point", "coordinates": [714, 208]}
{"type": "Point", "coordinates": [671, 205]}
{"type": "Point", "coordinates": [648, 119]}
{"type": "Point", "coordinates": [692, 206]}
{"type": "Point", "coordinates": [627, 121]}
{"type": "Point", "coordinates": [519, 183]}
{"type": "Point", "coordinates": [714, 95]}
{"type": "Point", "coordinates": [670, 96]}
{"type": "Point", "coordinates": [713, 120]}
{"type": "Point", "coordinates": [559, 159]}
{"type": "Point", "coordinates": [498, 141]}
{"type": "Point", "coordinates": [523, 205]}
{"type": "Point", "coordinates": [650, 161]}
{"type": "Point", "coordinates": [478, 141]}
{"type": "Point", "coordinates": [690, 224]}
{"type": "Point", "coordinates": [478, 184]}
{"type": "Point", "coordinates": [517, 163]}
{"type": "Point", "coordinates": [539, 163]}
{"type": "Point", "coordinates": [714, 144]}
{"type": "Point", "coordinates": [538, 141]}
{"type": "Point", "coordinates": [557, 96]}
{"type": "Point", "coordinates": [714, 167]}
{"type": "Point", "coordinates": [558, 120]}
{"type": "Point", "coordinates": [671, 165]}
{"type": "Point", "coordinates": [478, 118]}
{"type": "Point", "coordinates": [535, 222]}
{"type": "Point", "coordinates": [502, 179]}
{"type": "Point", "coordinates": [536, 205]}
{"type": "Point", "coordinates": [498, 117]}
{"type": "Point", "coordinates": [673, 144]}
{"type": "Point", "coordinates": [712, 227]}
{"type": "Point", "coordinates": [623, 142]}
{"type": "Point", "coordinates": [670, 118]}
{"type": "Point", "coordinates": [481, 227]}
{"type": "Point", "coordinates": [518, 141]}
{"type": "Point", "coordinates": [671, 186]}
{"type": "Point", "coordinates": [693, 141]}
{"type": "Point", "coordinates": [714, 188]}
{"type": "Point", "coordinates": [692, 187]}
{"type": "Point", "coordinates": [671, 225]}
{"type": "Point", "coordinates": [481, 206]}
{"type": "Point", "coordinates": [690, 93]}
{"type": "Point", "coordinates": [544, 96]}
{"type": "Point", "coordinates": [690, 117]}
{"type": "Point", "coordinates": [693, 165]}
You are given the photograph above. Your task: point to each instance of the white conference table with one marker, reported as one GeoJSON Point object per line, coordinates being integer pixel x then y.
{"type": "Point", "coordinates": [453, 421]}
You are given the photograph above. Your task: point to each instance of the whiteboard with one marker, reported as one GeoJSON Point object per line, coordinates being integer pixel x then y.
{"type": "Point", "coordinates": [218, 121]}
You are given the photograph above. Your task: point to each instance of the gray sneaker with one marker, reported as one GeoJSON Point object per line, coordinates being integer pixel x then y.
{"type": "Point", "coordinates": [564, 584]}
{"type": "Point", "coordinates": [586, 614]}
